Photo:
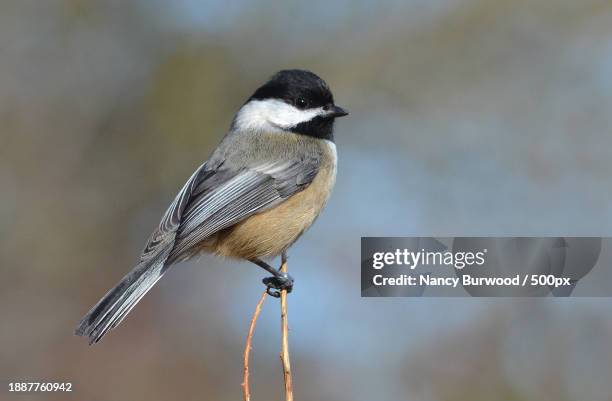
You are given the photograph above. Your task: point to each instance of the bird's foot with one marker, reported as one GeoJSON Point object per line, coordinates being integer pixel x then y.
{"type": "Point", "coordinates": [282, 281]}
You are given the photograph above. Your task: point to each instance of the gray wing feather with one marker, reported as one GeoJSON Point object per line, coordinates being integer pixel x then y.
{"type": "Point", "coordinates": [166, 230]}
{"type": "Point", "coordinates": [242, 194]}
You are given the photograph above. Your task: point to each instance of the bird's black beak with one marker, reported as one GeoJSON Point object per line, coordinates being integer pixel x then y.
{"type": "Point", "coordinates": [336, 111]}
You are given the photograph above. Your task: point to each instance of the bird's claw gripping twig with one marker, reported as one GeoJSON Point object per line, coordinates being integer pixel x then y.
{"type": "Point", "coordinates": [282, 281]}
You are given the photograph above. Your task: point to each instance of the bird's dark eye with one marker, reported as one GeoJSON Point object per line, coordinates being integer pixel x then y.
{"type": "Point", "coordinates": [301, 103]}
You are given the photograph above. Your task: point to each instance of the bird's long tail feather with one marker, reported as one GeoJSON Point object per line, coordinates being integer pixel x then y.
{"type": "Point", "coordinates": [120, 300]}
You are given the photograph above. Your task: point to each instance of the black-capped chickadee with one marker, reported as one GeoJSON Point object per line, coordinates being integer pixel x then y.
{"type": "Point", "coordinates": [262, 187]}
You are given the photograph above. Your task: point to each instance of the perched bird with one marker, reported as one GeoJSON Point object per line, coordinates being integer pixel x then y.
{"type": "Point", "coordinates": [261, 188]}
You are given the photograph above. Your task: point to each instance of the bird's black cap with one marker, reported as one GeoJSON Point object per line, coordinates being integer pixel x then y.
{"type": "Point", "coordinates": [296, 87]}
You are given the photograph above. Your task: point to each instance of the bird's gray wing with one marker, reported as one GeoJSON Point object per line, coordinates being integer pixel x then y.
{"type": "Point", "coordinates": [226, 196]}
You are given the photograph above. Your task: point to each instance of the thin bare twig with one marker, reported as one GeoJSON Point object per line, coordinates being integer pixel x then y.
{"type": "Point", "coordinates": [247, 349]}
{"type": "Point", "coordinates": [284, 355]}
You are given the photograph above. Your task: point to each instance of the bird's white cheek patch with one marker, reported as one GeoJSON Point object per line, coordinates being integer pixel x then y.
{"type": "Point", "coordinates": [272, 114]}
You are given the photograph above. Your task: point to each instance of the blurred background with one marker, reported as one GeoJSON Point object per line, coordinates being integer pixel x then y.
{"type": "Point", "coordinates": [468, 117]}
